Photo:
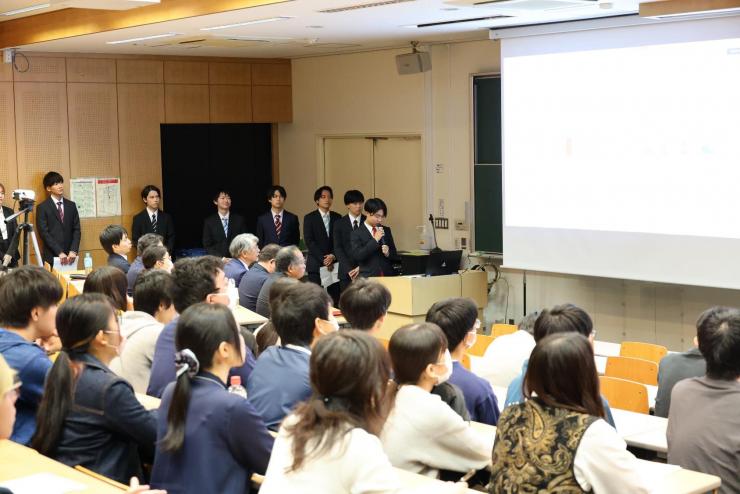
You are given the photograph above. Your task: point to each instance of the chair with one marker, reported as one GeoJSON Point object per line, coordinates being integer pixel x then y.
{"type": "Point", "coordinates": [481, 344]}
{"type": "Point", "coordinates": [632, 369]}
{"type": "Point", "coordinates": [646, 351]}
{"type": "Point", "coordinates": [624, 394]}
{"type": "Point", "coordinates": [502, 329]}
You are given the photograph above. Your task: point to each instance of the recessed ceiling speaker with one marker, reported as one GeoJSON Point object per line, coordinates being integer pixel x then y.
{"type": "Point", "coordinates": [413, 63]}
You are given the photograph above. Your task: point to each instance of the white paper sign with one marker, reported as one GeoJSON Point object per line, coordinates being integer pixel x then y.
{"type": "Point", "coordinates": [82, 192]}
{"type": "Point", "coordinates": [108, 196]}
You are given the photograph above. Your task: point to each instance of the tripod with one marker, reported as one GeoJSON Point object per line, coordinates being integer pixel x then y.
{"type": "Point", "coordinates": [27, 228]}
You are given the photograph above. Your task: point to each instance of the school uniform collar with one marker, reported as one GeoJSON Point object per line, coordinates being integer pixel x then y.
{"type": "Point", "coordinates": [206, 377]}
{"type": "Point", "coordinates": [297, 348]}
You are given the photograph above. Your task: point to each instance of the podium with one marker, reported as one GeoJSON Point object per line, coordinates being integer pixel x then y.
{"type": "Point", "coordinates": [412, 296]}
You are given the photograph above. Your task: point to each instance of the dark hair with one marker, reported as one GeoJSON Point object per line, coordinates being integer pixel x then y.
{"type": "Point", "coordinates": [562, 319]}
{"type": "Point", "coordinates": [352, 196]}
{"type": "Point", "coordinates": [276, 188]}
{"type": "Point", "coordinates": [265, 337]}
{"type": "Point", "coordinates": [53, 178]}
{"type": "Point", "coordinates": [412, 348]}
{"type": "Point", "coordinates": [320, 190]}
{"type": "Point", "coordinates": [78, 322]}
{"type": "Point", "coordinates": [147, 240]}
{"type": "Point", "coordinates": [268, 252]}
{"type": "Point", "coordinates": [296, 311]}
{"type": "Point", "coordinates": [562, 374]}
{"type": "Point", "coordinates": [109, 281]}
{"type": "Point", "coordinates": [148, 188]}
{"type": "Point", "coordinates": [455, 316]}
{"type": "Point", "coordinates": [286, 257]}
{"type": "Point", "coordinates": [718, 332]}
{"type": "Point", "coordinates": [349, 375]}
{"type": "Point", "coordinates": [219, 192]}
{"type": "Point", "coordinates": [364, 302]}
{"type": "Point", "coordinates": [151, 289]}
{"type": "Point", "coordinates": [374, 205]}
{"type": "Point", "coordinates": [527, 324]}
{"type": "Point", "coordinates": [201, 328]}
{"type": "Point", "coordinates": [152, 254]}
{"type": "Point", "coordinates": [278, 288]}
{"type": "Point", "coordinates": [3, 188]}
{"type": "Point", "coordinates": [195, 279]}
{"type": "Point", "coordinates": [24, 289]}
{"type": "Point", "coordinates": [112, 235]}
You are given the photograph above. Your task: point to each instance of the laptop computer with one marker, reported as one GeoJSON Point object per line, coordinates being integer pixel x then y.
{"type": "Point", "coordinates": [444, 262]}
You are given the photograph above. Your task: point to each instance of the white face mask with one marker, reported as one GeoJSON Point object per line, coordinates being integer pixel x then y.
{"type": "Point", "coordinates": [448, 369]}
{"type": "Point", "coordinates": [233, 293]}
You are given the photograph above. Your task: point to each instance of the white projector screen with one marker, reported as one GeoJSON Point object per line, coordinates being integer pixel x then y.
{"type": "Point", "coordinates": [621, 152]}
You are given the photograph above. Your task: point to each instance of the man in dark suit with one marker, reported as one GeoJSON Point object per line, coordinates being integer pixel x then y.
{"type": "Point", "coordinates": [372, 244]}
{"type": "Point", "coordinates": [152, 220]}
{"type": "Point", "coordinates": [7, 230]}
{"type": "Point", "coordinates": [318, 233]}
{"type": "Point", "coordinates": [58, 223]}
{"type": "Point", "coordinates": [278, 226]}
{"type": "Point", "coordinates": [115, 241]}
{"type": "Point", "coordinates": [354, 219]}
{"type": "Point", "coordinates": [220, 228]}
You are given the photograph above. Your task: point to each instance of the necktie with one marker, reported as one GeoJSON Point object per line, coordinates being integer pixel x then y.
{"type": "Point", "coordinates": [60, 208]}
{"type": "Point", "coordinates": [326, 223]}
{"type": "Point", "coordinates": [154, 223]}
{"type": "Point", "coordinates": [355, 226]}
{"type": "Point", "coordinates": [226, 226]}
{"type": "Point", "coordinates": [375, 230]}
{"type": "Point", "coordinates": [278, 225]}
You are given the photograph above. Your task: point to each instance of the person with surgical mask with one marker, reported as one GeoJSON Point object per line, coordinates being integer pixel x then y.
{"type": "Point", "coordinates": [422, 434]}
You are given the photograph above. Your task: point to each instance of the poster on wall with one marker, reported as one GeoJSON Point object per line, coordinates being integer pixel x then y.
{"type": "Point", "coordinates": [108, 194]}
{"type": "Point", "coordinates": [82, 192]}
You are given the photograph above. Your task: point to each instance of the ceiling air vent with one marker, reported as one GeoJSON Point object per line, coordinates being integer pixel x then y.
{"type": "Point", "coordinates": [363, 6]}
{"type": "Point", "coordinates": [460, 21]}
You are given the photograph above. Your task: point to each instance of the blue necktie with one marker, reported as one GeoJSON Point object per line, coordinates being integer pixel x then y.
{"type": "Point", "coordinates": [226, 226]}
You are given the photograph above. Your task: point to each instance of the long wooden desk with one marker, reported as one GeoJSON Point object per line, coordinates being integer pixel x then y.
{"type": "Point", "coordinates": [426, 485]}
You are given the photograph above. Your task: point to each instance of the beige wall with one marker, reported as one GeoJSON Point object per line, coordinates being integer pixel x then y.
{"type": "Point", "coordinates": [362, 94]}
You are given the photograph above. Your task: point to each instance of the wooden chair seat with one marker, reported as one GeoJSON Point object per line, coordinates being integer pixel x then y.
{"type": "Point", "coordinates": [502, 329]}
{"type": "Point", "coordinates": [646, 351]}
{"type": "Point", "coordinates": [481, 344]}
{"type": "Point", "coordinates": [633, 369]}
{"type": "Point", "coordinates": [624, 394]}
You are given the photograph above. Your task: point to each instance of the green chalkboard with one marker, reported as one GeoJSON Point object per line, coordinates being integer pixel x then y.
{"type": "Point", "coordinates": [489, 235]}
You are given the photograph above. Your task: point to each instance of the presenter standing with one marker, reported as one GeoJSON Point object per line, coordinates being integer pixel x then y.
{"type": "Point", "coordinates": [372, 244]}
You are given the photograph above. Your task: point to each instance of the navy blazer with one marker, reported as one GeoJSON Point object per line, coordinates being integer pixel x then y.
{"type": "Point", "coordinates": [58, 237]}
{"type": "Point", "coordinates": [235, 270]}
{"type": "Point", "coordinates": [289, 232]}
{"type": "Point", "coordinates": [142, 224]}
{"type": "Point", "coordinates": [317, 241]}
{"type": "Point", "coordinates": [343, 246]}
{"type": "Point", "coordinates": [11, 227]}
{"type": "Point", "coordinates": [215, 241]}
{"type": "Point", "coordinates": [119, 262]}
{"type": "Point", "coordinates": [368, 252]}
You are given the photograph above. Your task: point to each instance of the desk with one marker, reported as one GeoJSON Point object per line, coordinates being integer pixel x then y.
{"type": "Point", "coordinates": [641, 430]}
{"type": "Point", "coordinates": [245, 317]}
{"type": "Point", "coordinates": [672, 479]}
{"type": "Point", "coordinates": [606, 348]}
{"type": "Point", "coordinates": [426, 485]}
{"type": "Point", "coordinates": [148, 402]}
{"type": "Point", "coordinates": [20, 461]}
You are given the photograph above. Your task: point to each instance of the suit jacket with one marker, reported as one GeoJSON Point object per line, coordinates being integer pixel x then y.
{"type": "Point", "coordinates": [119, 262]}
{"type": "Point", "coordinates": [235, 269]}
{"type": "Point", "coordinates": [317, 241]}
{"type": "Point", "coordinates": [369, 255]}
{"type": "Point", "coordinates": [142, 225]}
{"type": "Point", "coordinates": [215, 241]}
{"type": "Point", "coordinates": [343, 246]}
{"type": "Point", "coordinates": [289, 233]}
{"type": "Point", "coordinates": [11, 228]}
{"type": "Point", "coordinates": [58, 237]}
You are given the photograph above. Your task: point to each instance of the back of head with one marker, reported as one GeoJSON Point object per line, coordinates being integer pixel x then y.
{"type": "Point", "coordinates": [152, 254]}
{"type": "Point", "coordinates": [285, 257]}
{"type": "Point", "coordinates": [564, 318]}
{"type": "Point", "coordinates": [562, 374]}
{"type": "Point", "coordinates": [364, 302]}
{"type": "Point", "coordinates": [151, 289]}
{"type": "Point", "coordinates": [527, 324]}
{"type": "Point", "coordinates": [296, 313]}
{"type": "Point", "coordinates": [455, 316]}
{"type": "Point", "coordinates": [195, 279]}
{"type": "Point", "coordinates": [109, 281]}
{"type": "Point", "coordinates": [22, 290]}
{"type": "Point", "coordinates": [110, 236]}
{"type": "Point", "coordinates": [268, 253]}
{"type": "Point", "coordinates": [146, 241]}
{"type": "Point", "coordinates": [244, 242]}
{"type": "Point", "coordinates": [718, 332]}
{"type": "Point", "coordinates": [412, 348]}
{"type": "Point", "coordinates": [278, 288]}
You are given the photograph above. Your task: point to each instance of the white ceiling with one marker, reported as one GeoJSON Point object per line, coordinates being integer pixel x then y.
{"type": "Point", "coordinates": [309, 32]}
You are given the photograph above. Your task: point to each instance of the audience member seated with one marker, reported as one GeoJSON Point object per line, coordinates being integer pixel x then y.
{"type": "Point", "coordinates": [704, 422]}
{"type": "Point", "coordinates": [196, 279]}
{"type": "Point", "coordinates": [557, 440]}
{"type": "Point", "coordinates": [458, 319]}
{"type": "Point", "coordinates": [280, 377]}
{"type": "Point", "coordinates": [157, 257]}
{"type": "Point", "coordinates": [137, 266]}
{"type": "Point", "coordinates": [28, 307]}
{"type": "Point", "coordinates": [676, 367]}
{"type": "Point", "coordinates": [111, 282]}
{"type": "Point", "coordinates": [252, 280]}
{"type": "Point", "coordinates": [153, 308]}
{"type": "Point", "coordinates": [566, 318]}
{"type": "Point", "coordinates": [289, 262]}
{"type": "Point", "coordinates": [364, 304]}
{"type": "Point", "coordinates": [423, 434]}
{"type": "Point", "coordinates": [504, 357]}
{"type": "Point", "coordinates": [244, 252]}
{"type": "Point", "coordinates": [265, 336]}
{"type": "Point", "coordinates": [208, 440]}
{"type": "Point", "coordinates": [88, 416]}
{"type": "Point", "coordinates": [9, 390]}
{"type": "Point", "coordinates": [116, 243]}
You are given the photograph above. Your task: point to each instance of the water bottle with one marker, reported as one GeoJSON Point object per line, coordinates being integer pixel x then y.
{"type": "Point", "coordinates": [88, 263]}
{"type": "Point", "coordinates": [236, 387]}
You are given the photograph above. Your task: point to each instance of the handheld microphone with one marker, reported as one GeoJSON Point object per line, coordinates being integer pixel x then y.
{"type": "Point", "coordinates": [434, 232]}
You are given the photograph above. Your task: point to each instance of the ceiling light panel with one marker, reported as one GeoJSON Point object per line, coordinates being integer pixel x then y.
{"type": "Point", "coordinates": [370, 5]}
{"type": "Point", "coordinates": [246, 23]}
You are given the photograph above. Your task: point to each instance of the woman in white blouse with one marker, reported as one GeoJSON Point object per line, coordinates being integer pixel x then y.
{"type": "Point", "coordinates": [422, 433]}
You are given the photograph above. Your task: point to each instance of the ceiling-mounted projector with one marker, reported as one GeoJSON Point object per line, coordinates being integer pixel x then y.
{"type": "Point", "coordinates": [414, 62]}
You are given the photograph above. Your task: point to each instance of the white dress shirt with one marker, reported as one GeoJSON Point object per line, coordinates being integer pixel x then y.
{"type": "Point", "coordinates": [3, 226]}
{"type": "Point", "coordinates": [504, 357]}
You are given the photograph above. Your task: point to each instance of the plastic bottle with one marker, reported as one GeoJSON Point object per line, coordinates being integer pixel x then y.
{"type": "Point", "coordinates": [236, 387]}
{"type": "Point", "coordinates": [88, 262]}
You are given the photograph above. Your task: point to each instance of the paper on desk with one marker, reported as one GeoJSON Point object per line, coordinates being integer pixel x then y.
{"type": "Point", "coordinates": [64, 268]}
{"type": "Point", "coordinates": [48, 483]}
{"type": "Point", "coordinates": [329, 277]}
{"type": "Point", "coordinates": [655, 472]}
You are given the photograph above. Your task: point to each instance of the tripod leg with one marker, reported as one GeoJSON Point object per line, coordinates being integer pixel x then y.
{"type": "Point", "coordinates": [35, 245]}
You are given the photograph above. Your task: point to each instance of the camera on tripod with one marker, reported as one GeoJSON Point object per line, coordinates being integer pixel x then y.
{"type": "Point", "coordinates": [25, 197]}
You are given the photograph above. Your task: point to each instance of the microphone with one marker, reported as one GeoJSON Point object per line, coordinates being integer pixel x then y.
{"type": "Point", "coordinates": [434, 232]}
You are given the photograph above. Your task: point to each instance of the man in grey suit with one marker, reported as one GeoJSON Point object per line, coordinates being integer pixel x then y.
{"type": "Point", "coordinates": [115, 241]}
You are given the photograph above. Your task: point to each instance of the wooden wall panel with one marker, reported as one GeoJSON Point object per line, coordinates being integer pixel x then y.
{"type": "Point", "coordinates": [41, 69]}
{"type": "Point", "coordinates": [185, 72]}
{"type": "Point", "coordinates": [231, 104]}
{"type": "Point", "coordinates": [8, 166]}
{"type": "Point", "coordinates": [271, 74]}
{"type": "Point", "coordinates": [186, 103]}
{"type": "Point", "coordinates": [140, 112]}
{"type": "Point", "coordinates": [140, 71]}
{"type": "Point", "coordinates": [91, 228]}
{"type": "Point", "coordinates": [230, 73]}
{"type": "Point", "coordinates": [272, 104]}
{"type": "Point", "coordinates": [91, 70]}
{"type": "Point", "coordinates": [6, 72]}
{"type": "Point", "coordinates": [93, 130]}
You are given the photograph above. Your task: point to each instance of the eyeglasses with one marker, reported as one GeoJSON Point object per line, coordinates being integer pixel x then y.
{"type": "Point", "coordinates": [378, 216]}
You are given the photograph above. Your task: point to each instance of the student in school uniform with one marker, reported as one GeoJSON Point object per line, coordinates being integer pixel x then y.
{"type": "Point", "coordinates": [137, 266]}
{"type": "Point", "coordinates": [562, 419]}
{"type": "Point", "coordinates": [348, 268]}
{"type": "Point", "coordinates": [372, 244]}
{"type": "Point", "coordinates": [88, 415]}
{"type": "Point", "coordinates": [151, 219]}
{"type": "Point", "coordinates": [365, 304]}
{"type": "Point", "coordinates": [112, 283]}
{"type": "Point", "coordinates": [220, 228]}
{"type": "Point", "coordinates": [157, 257]}
{"type": "Point", "coordinates": [208, 440]}
{"type": "Point", "coordinates": [278, 226]}
{"type": "Point", "coordinates": [116, 243]}
{"type": "Point", "coordinates": [58, 222]}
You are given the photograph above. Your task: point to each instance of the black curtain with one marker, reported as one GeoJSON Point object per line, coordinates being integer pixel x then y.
{"type": "Point", "coordinates": [200, 159]}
